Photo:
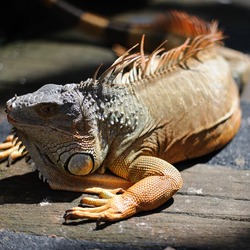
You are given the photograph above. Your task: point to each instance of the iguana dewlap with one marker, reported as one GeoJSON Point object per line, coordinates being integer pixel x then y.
{"type": "Point", "coordinates": [168, 107]}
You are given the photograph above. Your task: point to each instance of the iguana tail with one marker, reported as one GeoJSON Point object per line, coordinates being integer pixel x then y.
{"type": "Point", "coordinates": [174, 26]}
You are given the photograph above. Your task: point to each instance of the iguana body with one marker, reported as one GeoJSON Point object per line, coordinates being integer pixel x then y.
{"type": "Point", "coordinates": [168, 107]}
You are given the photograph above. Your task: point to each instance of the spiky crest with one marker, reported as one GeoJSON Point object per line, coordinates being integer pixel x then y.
{"type": "Point", "coordinates": [183, 24]}
{"type": "Point", "coordinates": [148, 66]}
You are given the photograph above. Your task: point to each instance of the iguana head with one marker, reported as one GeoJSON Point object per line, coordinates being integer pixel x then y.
{"type": "Point", "coordinates": [57, 124]}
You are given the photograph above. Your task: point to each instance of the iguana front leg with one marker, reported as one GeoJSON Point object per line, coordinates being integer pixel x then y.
{"type": "Point", "coordinates": [155, 180]}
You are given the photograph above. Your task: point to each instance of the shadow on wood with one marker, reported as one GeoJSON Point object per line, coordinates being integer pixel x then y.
{"type": "Point", "coordinates": [28, 189]}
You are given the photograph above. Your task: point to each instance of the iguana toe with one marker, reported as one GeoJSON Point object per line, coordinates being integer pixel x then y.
{"type": "Point", "coordinates": [12, 149]}
{"type": "Point", "coordinates": [93, 201]}
{"type": "Point", "coordinates": [104, 193]}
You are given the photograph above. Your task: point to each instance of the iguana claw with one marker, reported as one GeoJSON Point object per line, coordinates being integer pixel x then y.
{"type": "Point", "coordinates": [12, 149]}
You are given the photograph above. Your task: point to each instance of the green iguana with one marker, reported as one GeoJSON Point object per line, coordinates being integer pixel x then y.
{"type": "Point", "coordinates": [117, 135]}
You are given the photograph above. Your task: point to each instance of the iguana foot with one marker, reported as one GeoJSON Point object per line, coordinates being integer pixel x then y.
{"type": "Point", "coordinates": [12, 149]}
{"type": "Point", "coordinates": [103, 208]}
{"type": "Point", "coordinates": [116, 208]}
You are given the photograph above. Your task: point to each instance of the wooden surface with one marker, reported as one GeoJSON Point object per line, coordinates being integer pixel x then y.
{"type": "Point", "coordinates": [211, 211]}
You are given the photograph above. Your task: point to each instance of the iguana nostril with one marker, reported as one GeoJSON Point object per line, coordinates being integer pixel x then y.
{"type": "Point", "coordinates": [80, 164]}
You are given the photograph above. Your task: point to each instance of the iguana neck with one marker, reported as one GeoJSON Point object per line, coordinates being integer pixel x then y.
{"type": "Point", "coordinates": [117, 110]}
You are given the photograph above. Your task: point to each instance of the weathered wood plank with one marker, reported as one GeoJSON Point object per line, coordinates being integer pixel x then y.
{"type": "Point", "coordinates": [178, 230]}
{"type": "Point", "coordinates": [210, 211]}
{"type": "Point", "coordinates": [216, 181]}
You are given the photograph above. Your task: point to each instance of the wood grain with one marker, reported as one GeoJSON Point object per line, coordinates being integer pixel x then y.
{"type": "Point", "coordinates": [210, 211]}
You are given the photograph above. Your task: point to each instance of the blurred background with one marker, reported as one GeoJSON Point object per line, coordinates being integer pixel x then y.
{"type": "Point", "coordinates": [39, 44]}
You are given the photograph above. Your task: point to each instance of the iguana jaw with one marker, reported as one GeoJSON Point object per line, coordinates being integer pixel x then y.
{"type": "Point", "coordinates": [78, 163]}
{"type": "Point", "coordinates": [54, 175]}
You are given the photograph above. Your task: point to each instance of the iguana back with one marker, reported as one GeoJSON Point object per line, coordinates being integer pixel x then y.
{"type": "Point", "coordinates": [192, 108]}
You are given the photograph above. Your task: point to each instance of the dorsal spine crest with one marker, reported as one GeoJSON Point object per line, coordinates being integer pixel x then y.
{"type": "Point", "coordinates": [134, 68]}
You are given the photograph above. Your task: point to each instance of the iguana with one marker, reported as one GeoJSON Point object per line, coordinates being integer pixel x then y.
{"type": "Point", "coordinates": [117, 135]}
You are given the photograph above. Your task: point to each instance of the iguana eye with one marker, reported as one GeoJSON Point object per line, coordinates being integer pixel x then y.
{"type": "Point", "coordinates": [46, 109]}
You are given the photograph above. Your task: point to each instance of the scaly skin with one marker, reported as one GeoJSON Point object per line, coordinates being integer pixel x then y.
{"type": "Point", "coordinates": [166, 109]}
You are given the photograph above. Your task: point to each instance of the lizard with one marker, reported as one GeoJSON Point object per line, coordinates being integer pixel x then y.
{"type": "Point", "coordinates": [173, 26]}
{"type": "Point", "coordinates": [119, 134]}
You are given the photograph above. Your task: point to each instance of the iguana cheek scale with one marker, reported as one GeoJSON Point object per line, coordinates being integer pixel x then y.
{"type": "Point", "coordinates": [166, 107]}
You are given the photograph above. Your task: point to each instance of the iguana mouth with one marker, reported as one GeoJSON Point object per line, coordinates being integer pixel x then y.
{"type": "Point", "coordinates": [11, 120]}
